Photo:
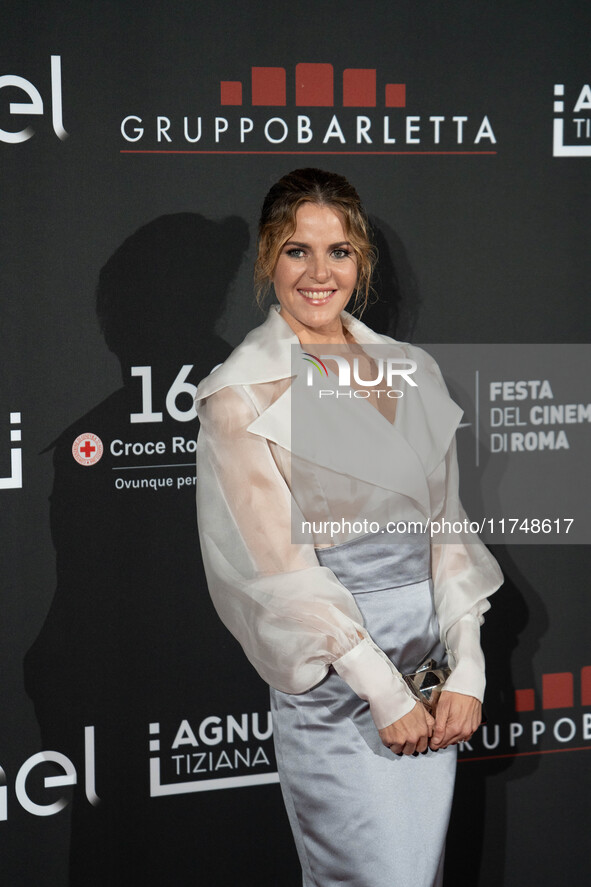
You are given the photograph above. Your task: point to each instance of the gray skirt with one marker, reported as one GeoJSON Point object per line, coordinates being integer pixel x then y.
{"type": "Point", "coordinates": [360, 815]}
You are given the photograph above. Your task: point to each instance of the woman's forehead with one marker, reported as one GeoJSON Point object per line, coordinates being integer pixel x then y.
{"type": "Point", "coordinates": [319, 221]}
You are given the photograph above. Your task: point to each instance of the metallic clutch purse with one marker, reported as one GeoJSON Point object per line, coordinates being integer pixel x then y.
{"type": "Point", "coordinates": [427, 682]}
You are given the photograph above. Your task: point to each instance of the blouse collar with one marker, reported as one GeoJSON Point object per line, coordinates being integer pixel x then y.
{"type": "Point", "coordinates": [265, 353]}
{"type": "Point", "coordinates": [420, 441]}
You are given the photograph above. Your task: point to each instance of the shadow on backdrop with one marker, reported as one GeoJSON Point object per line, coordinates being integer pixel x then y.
{"type": "Point", "coordinates": [513, 628]}
{"type": "Point", "coordinates": [131, 637]}
{"type": "Point", "coordinates": [396, 309]}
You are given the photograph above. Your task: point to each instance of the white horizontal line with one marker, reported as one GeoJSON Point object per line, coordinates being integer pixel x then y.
{"type": "Point", "coordinates": [172, 465]}
{"type": "Point", "coordinates": [204, 785]}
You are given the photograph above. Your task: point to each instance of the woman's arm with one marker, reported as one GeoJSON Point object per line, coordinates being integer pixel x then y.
{"type": "Point", "coordinates": [465, 574]}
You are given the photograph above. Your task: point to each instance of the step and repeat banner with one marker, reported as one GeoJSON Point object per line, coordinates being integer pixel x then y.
{"type": "Point", "coordinates": [137, 142]}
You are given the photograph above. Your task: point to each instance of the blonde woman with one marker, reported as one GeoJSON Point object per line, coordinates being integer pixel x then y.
{"type": "Point", "coordinates": [333, 621]}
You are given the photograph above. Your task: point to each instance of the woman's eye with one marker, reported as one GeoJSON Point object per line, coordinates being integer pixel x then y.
{"type": "Point", "coordinates": [295, 252]}
{"type": "Point", "coordinates": [341, 253]}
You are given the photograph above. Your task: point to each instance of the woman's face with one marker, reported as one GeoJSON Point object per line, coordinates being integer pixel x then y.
{"type": "Point", "coordinates": [316, 271]}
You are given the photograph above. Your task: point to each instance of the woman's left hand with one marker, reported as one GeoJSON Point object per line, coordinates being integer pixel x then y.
{"type": "Point", "coordinates": [456, 718]}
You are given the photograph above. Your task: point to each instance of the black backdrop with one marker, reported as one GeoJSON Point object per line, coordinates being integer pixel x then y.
{"type": "Point", "coordinates": [108, 636]}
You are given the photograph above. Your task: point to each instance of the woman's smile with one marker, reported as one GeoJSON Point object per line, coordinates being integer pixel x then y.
{"type": "Point", "coordinates": [317, 296]}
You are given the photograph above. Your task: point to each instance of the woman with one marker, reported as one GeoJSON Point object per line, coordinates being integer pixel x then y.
{"type": "Point", "coordinates": [330, 617]}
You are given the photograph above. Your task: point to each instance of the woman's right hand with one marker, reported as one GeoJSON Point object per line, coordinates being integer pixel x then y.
{"type": "Point", "coordinates": [411, 733]}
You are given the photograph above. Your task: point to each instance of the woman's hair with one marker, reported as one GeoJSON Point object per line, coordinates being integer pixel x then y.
{"type": "Point", "coordinates": [278, 222]}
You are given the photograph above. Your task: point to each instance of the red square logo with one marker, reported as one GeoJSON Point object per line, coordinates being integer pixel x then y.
{"type": "Point", "coordinates": [230, 92]}
{"type": "Point", "coordinates": [396, 95]}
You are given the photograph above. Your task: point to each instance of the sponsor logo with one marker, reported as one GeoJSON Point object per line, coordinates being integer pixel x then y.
{"type": "Point", "coordinates": [15, 479]}
{"type": "Point", "coordinates": [558, 724]}
{"type": "Point", "coordinates": [87, 449]}
{"type": "Point", "coordinates": [572, 122]}
{"type": "Point", "coordinates": [214, 753]}
{"type": "Point", "coordinates": [48, 762]}
{"type": "Point", "coordinates": [142, 459]}
{"type": "Point", "coordinates": [34, 105]}
{"type": "Point", "coordinates": [217, 753]}
{"type": "Point", "coordinates": [350, 111]}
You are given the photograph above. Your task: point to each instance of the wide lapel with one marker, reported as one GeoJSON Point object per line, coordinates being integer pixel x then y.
{"type": "Point", "coordinates": [430, 419]}
{"type": "Point", "coordinates": [346, 436]}
{"type": "Point", "coordinates": [428, 416]}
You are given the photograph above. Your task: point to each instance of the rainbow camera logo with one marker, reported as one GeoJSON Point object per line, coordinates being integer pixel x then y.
{"type": "Point", "coordinates": [315, 361]}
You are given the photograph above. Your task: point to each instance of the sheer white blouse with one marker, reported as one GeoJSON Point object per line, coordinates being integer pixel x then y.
{"type": "Point", "coordinates": [256, 480]}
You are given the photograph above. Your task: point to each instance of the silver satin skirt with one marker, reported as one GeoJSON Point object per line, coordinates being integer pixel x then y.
{"type": "Point", "coordinates": [360, 815]}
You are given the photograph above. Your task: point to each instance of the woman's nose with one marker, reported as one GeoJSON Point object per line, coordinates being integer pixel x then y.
{"type": "Point", "coordinates": [319, 269]}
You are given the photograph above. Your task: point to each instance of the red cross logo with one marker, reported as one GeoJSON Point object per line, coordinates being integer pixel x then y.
{"type": "Point", "coordinates": [87, 449]}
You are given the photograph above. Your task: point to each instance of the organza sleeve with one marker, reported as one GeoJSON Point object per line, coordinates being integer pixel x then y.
{"type": "Point", "coordinates": [465, 574]}
{"type": "Point", "coordinates": [292, 616]}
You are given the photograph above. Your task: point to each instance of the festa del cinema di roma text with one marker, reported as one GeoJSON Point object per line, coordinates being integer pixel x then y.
{"type": "Point", "coordinates": [536, 415]}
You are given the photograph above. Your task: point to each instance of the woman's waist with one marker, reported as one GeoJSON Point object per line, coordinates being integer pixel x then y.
{"type": "Point", "coordinates": [379, 560]}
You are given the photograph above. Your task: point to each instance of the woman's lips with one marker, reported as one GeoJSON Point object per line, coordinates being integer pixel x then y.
{"type": "Point", "coordinates": [317, 297]}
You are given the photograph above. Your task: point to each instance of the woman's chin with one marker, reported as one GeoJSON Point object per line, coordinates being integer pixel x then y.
{"type": "Point", "coordinates": [314, 312]}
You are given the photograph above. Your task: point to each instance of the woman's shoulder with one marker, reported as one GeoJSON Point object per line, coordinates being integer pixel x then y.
{"type": "Point", "coordinates": [228, 410]}
{"type": "Point", "coordinates": [264, 355]}
{"type": "Point", "coordinates": [235, 370]}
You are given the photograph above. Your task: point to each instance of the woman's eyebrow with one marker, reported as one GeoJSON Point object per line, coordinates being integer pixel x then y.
{"type": "Point", "coordinates": [307, 245]}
